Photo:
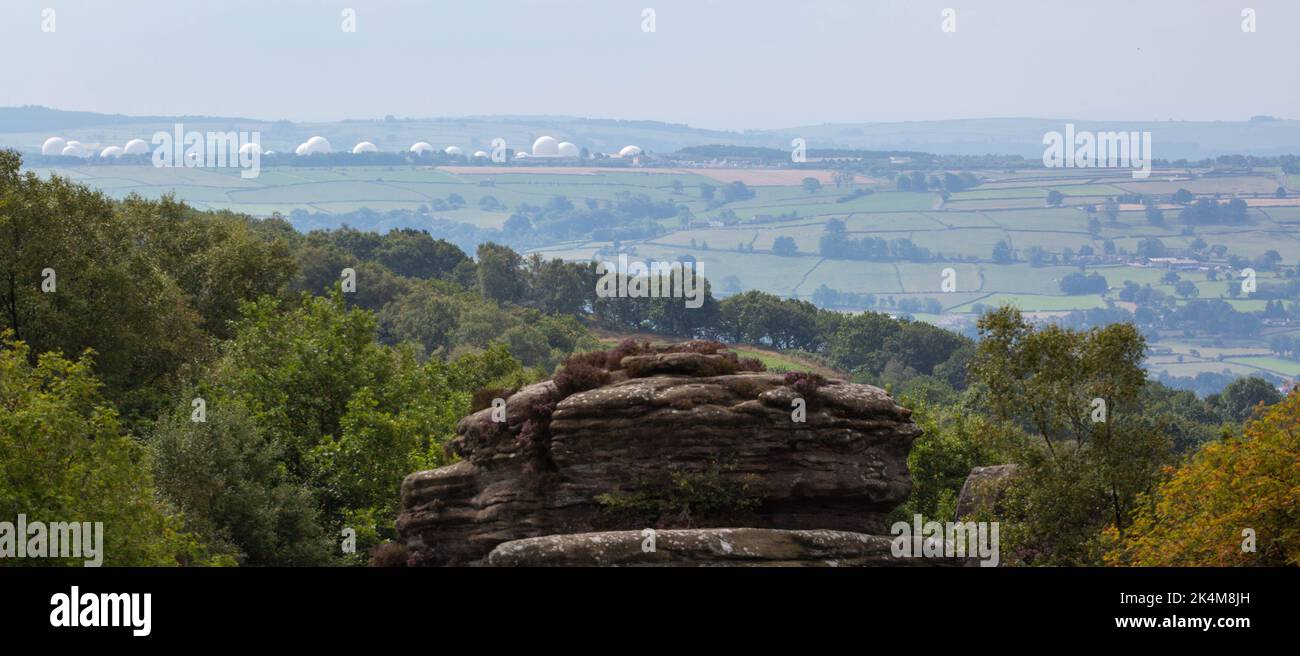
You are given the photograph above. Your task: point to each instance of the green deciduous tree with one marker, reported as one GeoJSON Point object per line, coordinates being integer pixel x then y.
{"type": "Point", "coordinates": [1232, 504]}
{"type": "Point", "coordinates": [64, 458]}
{"type": "Point", "coordinates": [230, 481]}
{"type": "Point", "coordinates": [353, 416]}
{"type": "Point", "coordinates": [1079, 394]}
{"type": "Point", "coordinates": [500, 276]}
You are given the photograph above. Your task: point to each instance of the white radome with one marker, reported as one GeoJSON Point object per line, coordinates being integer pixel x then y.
{"type": "Point", "coordinates": [251, 148]}
{"type": "Point", "coordinates": [546, 147]}
{"type": "Point", "coordinates": [53, 146]}
{"type": "Point", "coordinates": [301, 149]}
{"type": "Point", "coordinates": [136, 147]}
{"type": "Point", "coordinates": [316, 145]}
{"type": "Point", "coordinates": [521, 155]}
{"type": "Point", "coordinates": [112, 151]}
{"type": "Point", "coordinates": [421, 147]}
{"type": "Point", "coordinates": [478, 154]}
{"type": "Point", "coordinates": [73, 149]}
{"type": "Point", "coordinates": [629, 151]}
{"type": "Point", "coordinates": [454, 151]}
{"type": "Point", "coordinates": [567, 149]}
{"type": "Point", "coordinates": [364, 147]}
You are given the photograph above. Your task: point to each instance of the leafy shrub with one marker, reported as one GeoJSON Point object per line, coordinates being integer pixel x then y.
{"type": "Point", "coordinates": [804, 382]}
{"type": "Point", "coordinates": [579, 377]}
{"type": "Point", "coordinates": [629, 346]}
{"type": "Point", "coordinates": [224, 475]}
{"type": "Point", "coordinates": [750, 364]}
{"type": "Point", "coordinates": [1197, 516]}
{"type": "Point", "coordinates": [598, 359]}
{"type": "Point", "coordinates": [697, 346]}
{"type": "Point", "coordinates": [64, 454]}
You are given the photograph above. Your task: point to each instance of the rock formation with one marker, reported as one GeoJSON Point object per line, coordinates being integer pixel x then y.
{"type": "Point", "coordinates": [672, 436]}
{"type": "Point", "coordinates": [745, 547]}
{"type": "Point", "coordinates": [983, 488]}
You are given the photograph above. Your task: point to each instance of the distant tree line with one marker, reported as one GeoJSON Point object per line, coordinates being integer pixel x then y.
{"type": "Point", "coordinates": [835, 243]}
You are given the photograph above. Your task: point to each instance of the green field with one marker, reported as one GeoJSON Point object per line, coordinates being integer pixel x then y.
{"type": "Point", "coordinates": [960, 232]}
{"type": "Point", "coordinates": [776, 362]}
{"type": "Point", "coordinates": [1275, 365]}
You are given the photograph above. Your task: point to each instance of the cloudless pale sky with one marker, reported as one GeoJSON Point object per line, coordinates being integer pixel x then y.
{"type": "Point", "coordinates": [712, 63]}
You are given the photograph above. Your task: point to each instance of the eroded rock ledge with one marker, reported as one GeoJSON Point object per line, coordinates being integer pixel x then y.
{"type": "Point", "coordinates": [667, 437]}
{"type": "Point", "coordinates": [743, 547]}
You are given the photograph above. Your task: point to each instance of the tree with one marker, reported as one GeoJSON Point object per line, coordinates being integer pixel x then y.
{"type": "Point", "coordinates": [1239, 400]}
{"type": "Point", "coordinates": [1186, 289]}
{"type": "Point", "coordinates": [226, 476]}
{"type": "Point", "coordinates": [784, 245]}
{"type": "Point", "coordinates": [955, 440]}
{"type": "Point", "coordinates": [351, 415]}
{"type": "Point", "coordinates": [1282, 345]}
{"type": "Point", "coordinates": [1094, 227]}
{"type": "Point", "coordinates": [1201, 514]}
{"type": "Point", "coordinates": [1183, 196]}
{"type": "Point", "coordinates": [1002, 252]}
{"type": "Point", "coordinates": [66, 458]}
{"type": "Point", "coordinates": [413, 253]}
{"type": "Point", "coordinates": [1111, 209]}
{"type": "Point", "coordinates": [919, 181]}
{"type": "Point", "coordinates": [812, 185]}
{"type": "Point", "coordinates": [735, 191]}
{"type": "Point", "coordinates": [500, 277]}
{"type": "Point", "coordinates": [559, 287]}
{"type": "Point", "coordinates": [1085, 474]}
{"type": "Point", "coordinates": [707, 191]}
{"type": "Point", "coordinates": [428, 315]}
{"type": "Point", "coordinates": [1079, 283]}
{"type": "Point", "coordinates": [1055, 198]}
{"type": "Point", "coordinates": [1155, 215]}
{"type": "Point", "coordinates": [78, 271]}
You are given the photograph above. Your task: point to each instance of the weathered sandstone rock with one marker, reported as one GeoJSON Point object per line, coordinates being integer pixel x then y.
{"type": "Point", "coordinates": [671, 441]}
{"type": "Point", "coordinates": [982, 490]}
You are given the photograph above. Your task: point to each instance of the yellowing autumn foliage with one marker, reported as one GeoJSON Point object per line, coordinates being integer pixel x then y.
{"type": "Point", "coordinates": [1203, 514]}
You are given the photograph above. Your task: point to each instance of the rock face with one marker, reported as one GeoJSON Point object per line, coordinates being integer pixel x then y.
{"type": "Point", "coordinates": [671, 437]}
{"type": "Point", "coordinates": [745, 547]}
{"type": "Point", "coordinates": [982, 490]}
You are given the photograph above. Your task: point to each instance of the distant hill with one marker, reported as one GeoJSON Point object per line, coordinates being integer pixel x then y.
{"type": "Point", "coordinates": [32, 118]}
{"type": "Point", "coordinates": [1024, 136]}
{"type": "Point", "coordinates": [26, 127]}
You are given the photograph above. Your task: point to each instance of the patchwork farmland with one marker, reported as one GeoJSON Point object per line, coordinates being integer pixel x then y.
{"type": "Point", "coordinates": [736, 241]}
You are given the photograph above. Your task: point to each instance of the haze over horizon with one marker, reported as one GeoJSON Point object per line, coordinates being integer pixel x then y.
{"type": "Point", "coordinates": [720, 64]}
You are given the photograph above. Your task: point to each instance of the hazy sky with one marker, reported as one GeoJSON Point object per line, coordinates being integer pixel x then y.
{"type": "Point", "coordinates": [725, 63]}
